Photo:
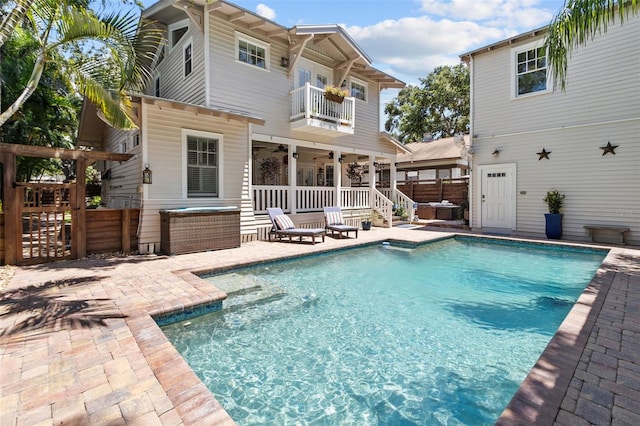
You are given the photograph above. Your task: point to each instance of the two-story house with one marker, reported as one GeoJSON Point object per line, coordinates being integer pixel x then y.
{"type": "Point", "coordinates": [237, 116]}
{"type": "Point", "coordinates": [529, 136]}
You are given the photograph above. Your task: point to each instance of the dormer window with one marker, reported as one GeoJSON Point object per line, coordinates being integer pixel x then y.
{"type": "Point", "coordinates": [177, 32]}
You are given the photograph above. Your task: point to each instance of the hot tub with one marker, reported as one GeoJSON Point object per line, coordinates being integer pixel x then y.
{"type": "Point", "coordinates": [195, 229]}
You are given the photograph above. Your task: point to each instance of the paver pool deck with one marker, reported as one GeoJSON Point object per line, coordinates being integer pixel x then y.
{"type": "Point", "coordinates": [97, 357]}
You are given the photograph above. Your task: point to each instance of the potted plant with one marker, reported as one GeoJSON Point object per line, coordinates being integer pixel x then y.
{"type": "Point", "coordinates": [335, 94]}
{"type": "Point", "coordinates": [553, 219]}
{"type": "Point", "coordinates": [355, 171]}
{"type": "Point", "coordinates": [366, 220]}
{"type": "Point", "coordinates": [269, 168]}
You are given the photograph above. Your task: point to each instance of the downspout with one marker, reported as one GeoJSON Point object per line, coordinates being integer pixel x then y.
{"type": "Point", "coordinates": [470, 152]}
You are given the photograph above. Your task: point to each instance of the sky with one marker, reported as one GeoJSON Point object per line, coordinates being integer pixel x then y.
{"type": "Point", "coordinates": [409, 38]}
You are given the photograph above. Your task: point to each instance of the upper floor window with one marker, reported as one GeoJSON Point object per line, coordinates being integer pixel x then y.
{"type": "Point", "coordinates": [529, 64]}
{"type": "Point", "coordinates": [177, 31]}
{"type": "Point", "coordinates": [359, 89]}
{"type": "Point", "coordinates": [187, 59]}
{"type": "Point", "coordinates": [203, 152]}
{"type": "Point", "coordinates": [252, 51]}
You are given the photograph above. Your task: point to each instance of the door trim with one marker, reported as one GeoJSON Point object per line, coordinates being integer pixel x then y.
{"type": "Point", "coordinates": [511, 168]}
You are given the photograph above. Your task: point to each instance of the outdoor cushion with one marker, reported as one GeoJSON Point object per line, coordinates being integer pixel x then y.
{"type": "Point", "coordinates": [284, 222]}
{"type": "Point", "coordinates": [334, 218]}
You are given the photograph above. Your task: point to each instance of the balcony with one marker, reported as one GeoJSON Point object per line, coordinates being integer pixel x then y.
{"type": "Point", "coordinates": [311, 112]}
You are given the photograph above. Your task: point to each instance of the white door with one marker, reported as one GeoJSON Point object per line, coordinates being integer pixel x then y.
{"type": "Point", "coordinates": [497, 197]}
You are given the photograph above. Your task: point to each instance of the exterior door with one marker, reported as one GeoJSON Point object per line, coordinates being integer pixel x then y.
{"type": "Point", "coordinates": [497, 196]}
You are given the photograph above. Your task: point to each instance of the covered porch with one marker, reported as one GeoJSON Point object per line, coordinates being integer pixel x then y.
{"type": "Point", "coordinates": [304, 178]}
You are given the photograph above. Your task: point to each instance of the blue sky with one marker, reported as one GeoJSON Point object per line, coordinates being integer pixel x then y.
{"type": "Point", "coordinates": [409, 38]}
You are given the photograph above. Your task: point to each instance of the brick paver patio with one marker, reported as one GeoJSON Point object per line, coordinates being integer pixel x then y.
{"type": "Point", "coordinates": [96, 357]}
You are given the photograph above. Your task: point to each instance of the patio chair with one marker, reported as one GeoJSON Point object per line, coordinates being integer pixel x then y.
{"type": "Point", "coordinates": [334, 222]}
{"type": "Point", "coordinates": [282, 226]}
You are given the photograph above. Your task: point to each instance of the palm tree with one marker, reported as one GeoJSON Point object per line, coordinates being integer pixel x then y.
{"type": "Point", "coordinates": [578, 22]}
{"type": "Point", "coordinates": [130, 46]}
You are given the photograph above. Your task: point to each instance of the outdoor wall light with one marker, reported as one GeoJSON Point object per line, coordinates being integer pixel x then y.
{"type": "Point", "coordinates": [295, 155]}
{"type": "Point", "coordinates": [146, 174]}
{"type": "Point", "coordinates": [496, 152]}
{"type": "Point", "coordinates": [376, 164]}
{"type": "Point", "coordinates": [330, 155]}
{"type": "Point", "coordinates": [284, 62]}
{"type": "Point", "coordinates": [341, 159]}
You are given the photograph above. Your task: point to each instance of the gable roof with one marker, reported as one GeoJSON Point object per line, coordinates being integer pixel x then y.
{"type": "Point", "coordinates": [330, 39]}
{"type": "Point", "coordinates": [440, 152]}
{"type": "Point", "coordinates": [502, 43]}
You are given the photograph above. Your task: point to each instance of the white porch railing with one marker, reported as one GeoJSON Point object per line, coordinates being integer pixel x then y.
{"type": "Point", "coordinates": [265, 196]}
{"type": "Point", "coordinates": [314, 198]}
{"type": "Point", "coordinates": [382, 205]}
{"type": "Point", "coordinates": [405, 202]}
{"type": "Point", "coordinates": [355, 198]}
{"type": "Point", "coordinates": [309, 102]}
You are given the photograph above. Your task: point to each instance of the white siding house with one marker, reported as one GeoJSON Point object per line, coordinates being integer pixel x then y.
{"type": "Point", "coordinates": [529, 136]}
{"type": "Point", "coordinates": [242, 91]}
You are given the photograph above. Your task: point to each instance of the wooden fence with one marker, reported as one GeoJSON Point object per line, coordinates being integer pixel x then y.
{"type": "Point", "coordinates": [107, 230]}
{"type": "Point", "coordinates": [435, 190]}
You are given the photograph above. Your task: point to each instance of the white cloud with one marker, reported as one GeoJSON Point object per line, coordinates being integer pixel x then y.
{"type": "Point", "coordinates": [415, 46]}
{"type": "Point", "coordinates": [265, 11]}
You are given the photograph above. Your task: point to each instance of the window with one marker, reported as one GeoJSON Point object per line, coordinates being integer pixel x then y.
{"type": "Point", "coordinates": [529, 64]}
{"type": "Point", "coordinates": [156, 90]}
{"type": "Point", "coordinates": [252, 52]}
{"type": "Point", "coordinates": [187, 60]}
{"type": "Point", "coordinates": [135, 140]}
{"type": "Point", "coordinates": [123, 146]}
{"type": "Point", "coordinates": [321, 81]}
{"type": "Point", "coordinates": [177, 31]}
{"type": "Point", "coordinates": [359, 90]}
{"type": "Point", "coordinates": [203, 164]}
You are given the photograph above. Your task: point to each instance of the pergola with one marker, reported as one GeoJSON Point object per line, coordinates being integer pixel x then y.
{"type": "Point", "coordinates": [12, 209]}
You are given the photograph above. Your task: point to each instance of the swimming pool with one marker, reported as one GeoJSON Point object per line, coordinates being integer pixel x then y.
{"type": "Point", "coordinates": [442, 334]}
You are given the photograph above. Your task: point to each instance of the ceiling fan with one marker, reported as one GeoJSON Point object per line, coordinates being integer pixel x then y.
{"type": "Point", "coordinates": [281, 148]}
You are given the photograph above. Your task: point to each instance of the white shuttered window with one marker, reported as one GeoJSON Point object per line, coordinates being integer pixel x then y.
{"type": "Point", "coordinates": [203, 165]}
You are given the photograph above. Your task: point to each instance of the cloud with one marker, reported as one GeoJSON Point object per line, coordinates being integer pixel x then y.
{"type": "Point", "coordinates": [414, 46]}
{"type": "Point", "coordinates": [265, 11]}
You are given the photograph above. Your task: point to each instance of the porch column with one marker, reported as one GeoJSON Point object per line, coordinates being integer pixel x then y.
{"type": "Point", "coordinates": [373, 175]}
{"type": "Point", "coordinates": [79, 220]}
{"type": "Point", "coordinates": [337, 179]}
{"type": "Point", "coordinates": [293, 166]}
{"type": "Point", "coordinates": [12, 220]}
{"type": "Point", "coordinates": [392, 176]}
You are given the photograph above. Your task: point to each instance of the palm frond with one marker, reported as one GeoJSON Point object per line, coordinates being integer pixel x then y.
{"type": "Point", "coordinates": [578, 22]}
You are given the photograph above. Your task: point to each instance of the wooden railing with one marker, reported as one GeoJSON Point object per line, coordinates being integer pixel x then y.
{"type": "Point", "coordinates": [405, 202]}
{"type": "Point", "coordinates": [309, 102]}
{"type": "Point", "coordinates": [314, 198]}
{"type": "Point", "coordinates": [265, 196]}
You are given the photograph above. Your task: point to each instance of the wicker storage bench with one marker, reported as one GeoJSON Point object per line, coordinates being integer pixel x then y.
{"type": "Point", "coordinates": [192, 230]}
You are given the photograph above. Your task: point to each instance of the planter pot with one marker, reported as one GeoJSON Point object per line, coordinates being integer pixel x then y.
{"type": "Point", "coordinates": [553, 225]}
{"type": "Point", "coordinates": [366, 226]}
{"type": "Point", "coordinates": [334, 98]}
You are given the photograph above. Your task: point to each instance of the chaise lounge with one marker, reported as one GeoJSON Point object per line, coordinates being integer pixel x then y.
{"type": "Point", "coordinates": [334, 222]}
{"type": "Point", "coordinates": [283, 226]}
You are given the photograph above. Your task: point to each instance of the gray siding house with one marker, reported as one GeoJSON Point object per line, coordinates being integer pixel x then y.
{"type": "Point", "coordinates": [237, 116]}
{"type": "Point", "coordinates": [529, 136]}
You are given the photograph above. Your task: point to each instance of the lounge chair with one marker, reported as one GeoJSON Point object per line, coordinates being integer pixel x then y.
{"type": "Point", "coordinates": [283, 227]}
{"type": "Point", "coordinates": [334, 222]}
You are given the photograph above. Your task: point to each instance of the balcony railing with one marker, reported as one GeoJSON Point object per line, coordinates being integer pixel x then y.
{"type": "Point", "coordinates": [312, 112]}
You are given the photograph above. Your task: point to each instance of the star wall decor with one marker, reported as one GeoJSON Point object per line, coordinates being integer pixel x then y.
{"type": "Point", "coordinates": [609, 149]}
{"type": "Point", "coordinates": [543, 154]}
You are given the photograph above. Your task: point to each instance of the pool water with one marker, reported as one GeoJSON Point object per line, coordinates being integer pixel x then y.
{"type": "Point", "coordinates": [441, 334]}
